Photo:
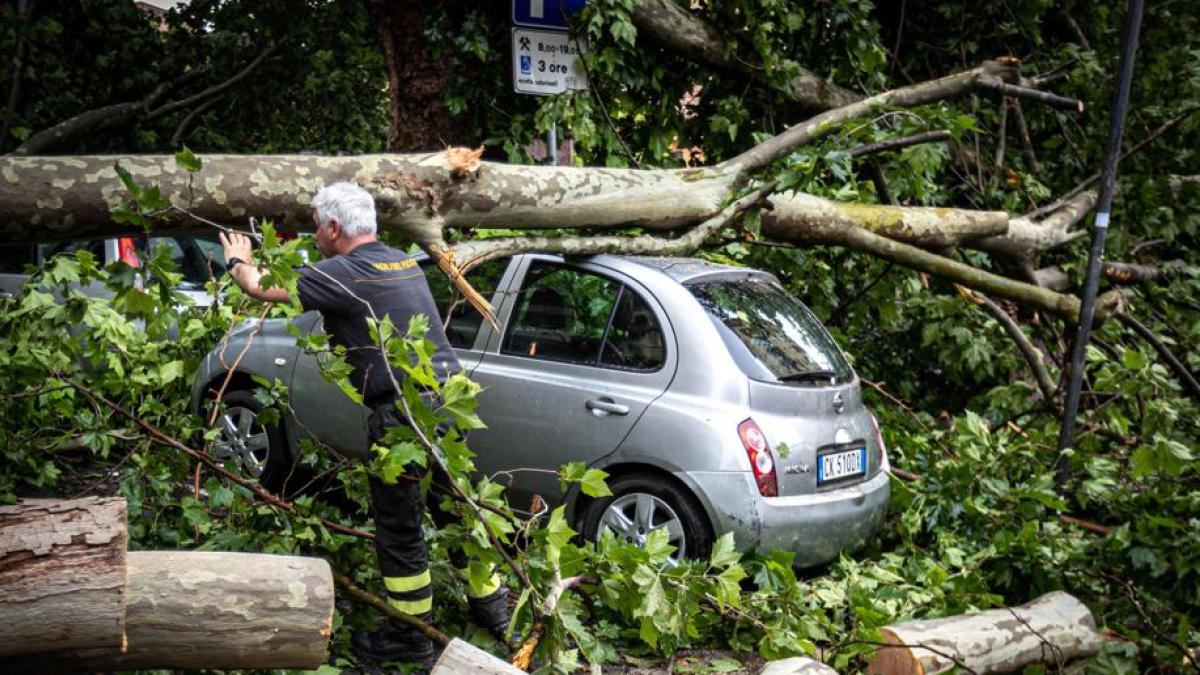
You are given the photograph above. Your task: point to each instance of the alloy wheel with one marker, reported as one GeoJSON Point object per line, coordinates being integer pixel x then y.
{"type": "Point", "coordinates": [633, 516]}
{"type": "Point", "coordinates": [243, 439]}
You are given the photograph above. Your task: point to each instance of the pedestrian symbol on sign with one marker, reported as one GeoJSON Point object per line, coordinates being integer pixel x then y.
{"type": "Point", "coordinates": [526, 65]}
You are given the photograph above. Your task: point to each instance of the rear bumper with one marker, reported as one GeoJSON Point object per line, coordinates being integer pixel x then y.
{"type": "Point", "coordinates": [816, 528]}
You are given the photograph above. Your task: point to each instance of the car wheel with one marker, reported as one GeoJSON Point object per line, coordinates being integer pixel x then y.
{"type": "Point", "coordinates": [257, 448]}
{"type": "Point", "coordinates": [640, 504]}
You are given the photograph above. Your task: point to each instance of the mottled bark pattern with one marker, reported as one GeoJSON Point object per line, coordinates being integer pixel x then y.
{"type": "Point", "coordinates": [1053, 629]}
{"type": "Point", "coordinates": [797, 217]}
{"type": "Point", "coordinates": [419, 196]}
{"type": "Point", "coordinates": [212, 610]}
{"type": "Point", "coordinates": [62, 575]}
{"type": "Point", "coordinates": [463, 657]}
{"type": "Point", "coordinates": [43, 198]}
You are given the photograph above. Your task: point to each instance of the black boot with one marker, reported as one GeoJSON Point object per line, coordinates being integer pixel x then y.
{"type": "Point", "coordinates": [491, 613]}
{"type": "Point", "coordinates": [394, 641]}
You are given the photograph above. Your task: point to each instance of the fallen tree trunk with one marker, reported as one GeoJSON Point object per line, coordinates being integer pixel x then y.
{"type": "Point", "coordinates": [1054, 629]}
{"type": "Point", "coordinates": [212, 610]}
{"type": "Point", "coordinates": [62, 575]}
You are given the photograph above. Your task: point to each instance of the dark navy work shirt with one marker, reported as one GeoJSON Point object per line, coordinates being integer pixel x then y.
{"type": "Point", "coordinates": [395, 286]}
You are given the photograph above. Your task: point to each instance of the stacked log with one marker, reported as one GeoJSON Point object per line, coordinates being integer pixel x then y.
{"type": "Point", "coordinates": [62, 575]}
{"type": "Point", "coordinates": [71, 598]}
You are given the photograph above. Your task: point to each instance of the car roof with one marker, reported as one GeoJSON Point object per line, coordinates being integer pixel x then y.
{"type": "Point", "coordinates": [682, 270]}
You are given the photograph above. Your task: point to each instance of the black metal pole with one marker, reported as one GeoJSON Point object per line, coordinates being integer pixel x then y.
{"type": "Point", "coordinates": [1112, 153]}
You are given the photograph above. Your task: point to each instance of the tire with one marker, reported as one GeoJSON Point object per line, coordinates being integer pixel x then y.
{"type": "Point", "coordinates": [259, 450]}
{"type": "Point", "coordinates": [643, 503]}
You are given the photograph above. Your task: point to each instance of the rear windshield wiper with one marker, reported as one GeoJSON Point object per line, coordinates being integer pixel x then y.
{"type": "Point", "coordinates": [809, 376]}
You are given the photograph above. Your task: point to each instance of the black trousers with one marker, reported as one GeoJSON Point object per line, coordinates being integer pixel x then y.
{"type": "Point", "coordinates": [399, 511]}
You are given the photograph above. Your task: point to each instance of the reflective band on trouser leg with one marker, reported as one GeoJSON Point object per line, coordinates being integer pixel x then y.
{"type": "Point", "coordinates": [415, 607]}
{"type": "Point", "coordinates": [480, 590]}
{"type": "Point", "coordinates": [411, 594]}
{"type": "Point", "coordinates": [406, 584]}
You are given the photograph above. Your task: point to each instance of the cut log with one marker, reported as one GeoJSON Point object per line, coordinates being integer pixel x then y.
{"type": "Point", "coordinates": [463, 657]}
{"type": "Point", "coordinates": [62, 575]}
{"type": "Point", "coordinates": [1054, 629]}
{"type": "Point", "coordinates": [212, 610]}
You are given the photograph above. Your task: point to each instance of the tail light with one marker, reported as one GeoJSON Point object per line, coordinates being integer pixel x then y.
{"type": "Point", "coordinates": [881, 458]}
{"type": "Point", "coordinates": [761, 460]}
{"type": "Point", "coordinates": [128, 252]}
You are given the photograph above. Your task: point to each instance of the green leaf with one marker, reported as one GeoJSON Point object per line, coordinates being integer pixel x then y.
{"type": "Point", "coordinates": [458, 399]}
{"type": "Point", "coordinates": [723, 553]}
{"type": "Point", "coordinates": [658, 545]}
{"type": "Point", "coordinates": [593, 484]}
{"type": "Point", "coordinates": [394, 460]}
{"type": "Point", "coordinates": [170, 371]}
{"type": "Point", "coordinates": [187, 160]}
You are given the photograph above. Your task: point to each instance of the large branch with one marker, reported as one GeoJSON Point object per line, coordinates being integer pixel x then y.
{"type": "Point", "coordinates": [98, 119]}
{"type": "Point", "coordinates": [669, 24]}
{"type": "Point", "coordinates": [989, 75]}
{"type": "Point", "coordinates": [419, 196]}
{"type": "Point", "coordinates": [1027, 239]}
{"type": "Point", "coordinates": [43, 198]}
{"type": "Point", "coordinates": [859, 239]}
{"type": "Point", "coordinates": [123, 114]}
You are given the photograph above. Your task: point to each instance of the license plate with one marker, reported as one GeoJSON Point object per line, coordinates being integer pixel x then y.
{"type": "Point", "coordinates": [835, 465]}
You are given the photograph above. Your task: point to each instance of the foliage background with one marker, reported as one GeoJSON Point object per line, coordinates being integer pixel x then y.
{"type": "Point", "coordinates": [956, 403]}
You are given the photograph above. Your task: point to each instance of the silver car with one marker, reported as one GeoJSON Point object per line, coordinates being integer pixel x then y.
{"type": "Point", "coordinates": [715, 401]}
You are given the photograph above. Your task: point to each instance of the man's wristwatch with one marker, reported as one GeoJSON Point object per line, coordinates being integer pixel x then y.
{"type": "Point", "coordinates": [232, 262]}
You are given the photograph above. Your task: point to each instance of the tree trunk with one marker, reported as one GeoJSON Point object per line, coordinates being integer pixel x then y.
{"type": "Point", "coordinates": [463, 657]}
{"type": "Point", "coordinates": [62, 575]}
{"type": "Point", "coordinates": [419, 119]}
{"type": "Point", "coordinates": [1053, 629]}
{"type": "Point", "coordinates": [216, 611]}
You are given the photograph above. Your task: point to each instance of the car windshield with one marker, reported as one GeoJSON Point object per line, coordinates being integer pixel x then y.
{"type": "Point", "coordinates": [770, 334]}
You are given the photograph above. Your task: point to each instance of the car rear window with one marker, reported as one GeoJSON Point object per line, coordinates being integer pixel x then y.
{"type": "Point", "coordinates": [772, 336]}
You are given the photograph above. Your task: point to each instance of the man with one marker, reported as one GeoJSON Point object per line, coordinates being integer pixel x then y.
{"type": "Point", "coordinates": [357, 268]}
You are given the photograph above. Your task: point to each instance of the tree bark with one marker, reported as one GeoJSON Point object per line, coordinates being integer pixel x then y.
{"type": "Point", "coordinates": [1053, 629]}
{"type": "Point", "coordinates": [420, 196]}
{"type": "Point", "coordinates": [62, 575]}
{"type": "Point", "coordinates": [419, 119]}
{"type": "Point", "coordinates": [463, 657]}
{"type": "Point", "coordinates": [669, 24]}
{"type": "Point", "coordinates": [214, 611]}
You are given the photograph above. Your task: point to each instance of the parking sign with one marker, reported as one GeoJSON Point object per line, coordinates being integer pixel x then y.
{"type": "Point", "coordinates": [546, 14]}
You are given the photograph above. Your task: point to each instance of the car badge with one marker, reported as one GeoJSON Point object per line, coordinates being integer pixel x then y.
{"type": "Point", "coordinates": [797, 468]}
{"type": "Point", "coordinates": [839, 403]}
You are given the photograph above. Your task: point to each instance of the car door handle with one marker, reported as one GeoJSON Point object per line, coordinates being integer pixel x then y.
{"type": "Point", "coordinates": [603, 406]}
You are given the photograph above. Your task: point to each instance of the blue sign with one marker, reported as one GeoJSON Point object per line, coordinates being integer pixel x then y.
{"type": "Point", "coordinates": [552, 14]}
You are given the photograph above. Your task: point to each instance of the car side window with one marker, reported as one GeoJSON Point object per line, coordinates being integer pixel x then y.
{"type": "Point", "coordinates": [562, 314]}
{"type": "Point", "coordinates": [461, 320]}
{"type": "Point", "coordinates": [576, 316]}
{"type": "Point", "coordinates": [635, 339]}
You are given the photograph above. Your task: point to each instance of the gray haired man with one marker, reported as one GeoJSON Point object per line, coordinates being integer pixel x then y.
{"type": "Point", "coordinates": [358, 268]}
